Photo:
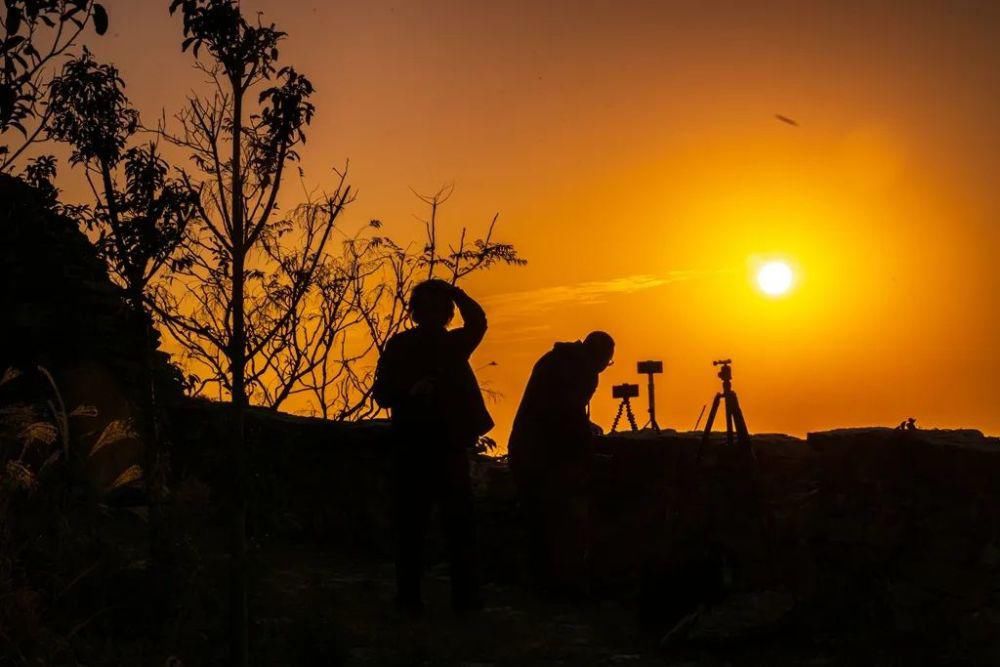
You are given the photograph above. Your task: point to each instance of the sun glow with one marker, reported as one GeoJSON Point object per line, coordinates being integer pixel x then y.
{"type": "Point", "coordinates": [775, 278]}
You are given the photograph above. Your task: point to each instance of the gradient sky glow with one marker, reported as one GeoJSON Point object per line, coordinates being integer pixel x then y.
{"type": "Point", "coordinates": [633, 153]}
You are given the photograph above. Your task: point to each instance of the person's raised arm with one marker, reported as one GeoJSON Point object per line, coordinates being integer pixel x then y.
{"type": "Point", "coordinates": [473, 321]}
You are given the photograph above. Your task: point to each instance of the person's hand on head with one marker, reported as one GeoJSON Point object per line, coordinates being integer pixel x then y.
{"type": "Point", "coordinates": [444, 287]}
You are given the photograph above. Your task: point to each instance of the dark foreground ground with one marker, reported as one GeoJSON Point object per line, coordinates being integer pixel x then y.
{"type": "Point", "coordinates": [322, 609]}
{"type": "Point", "coordinates": [860, 547]}
{"type": "Point", "coordinates": [347, 608]}
{"type": "Point", "coordinates": [881, 548]}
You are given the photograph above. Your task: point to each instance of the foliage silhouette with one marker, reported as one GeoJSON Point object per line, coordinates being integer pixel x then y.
{"type": "Point", "coordinates": [140, 220]}
{"type": "Point", "coordinates": [48, 516]}
{"type": "Point", "coordinates": [35, 33]}
{"type": "Point", "coordinates": [89, 110]}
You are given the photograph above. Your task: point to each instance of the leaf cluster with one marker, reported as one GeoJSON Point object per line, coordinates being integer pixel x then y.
{"type": "Point", "coordinates": [40, 173]}
{"type": "Point", "coordinates": [90, 111]}
{"type": "Point", "coordinates": [246, 52]}
{"type": "Point", "coordinates": [154, 210]}
{"type": "Point", "coordinates": [286, 110]}
{"type": "Point", "coordinates": [141, 213]}
{"type": "Point", "coordinates": [34, 32]}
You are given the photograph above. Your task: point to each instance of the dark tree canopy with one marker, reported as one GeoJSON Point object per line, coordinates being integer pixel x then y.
{"type": "Point", "coordinates": [246, 52]}
{"type": "Point", "coordinates": [141, 214]}
{"type": "Point", "coordinates": [90, 111]}
{"type": "Point", "coordinates": [35, 33]}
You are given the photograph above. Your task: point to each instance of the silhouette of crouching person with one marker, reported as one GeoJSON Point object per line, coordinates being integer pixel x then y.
{"type": "Point", "coordinates": [425, 379]}
{"type": "Point", "coordinates": [551, 456]}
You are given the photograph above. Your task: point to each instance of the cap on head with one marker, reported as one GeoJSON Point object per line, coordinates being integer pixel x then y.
{"type": "Point", "coordinates": [601, 347]}
{"type": "Point", "coordinates": [431, 304]}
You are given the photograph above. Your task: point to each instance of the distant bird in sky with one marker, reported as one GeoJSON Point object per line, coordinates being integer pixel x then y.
{"type": "Point", "coordinates": [786, 119]}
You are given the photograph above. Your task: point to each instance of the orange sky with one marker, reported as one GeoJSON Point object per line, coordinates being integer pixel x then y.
{"type": "Point", "coordinates": [632, 152]}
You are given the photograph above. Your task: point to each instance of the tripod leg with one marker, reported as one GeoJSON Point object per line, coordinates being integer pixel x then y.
{"type": "Point", "coordinates": [729, 419]}
{"type": "Point", "coordinates": [700, 415]}
{"type": "Point", "coordinates": [711, 417]}
{"type": "Point", "coordinates": [631, 416]}
{"type": "Point", "coordinates": [741, 425]}
{"type": "Point", "coordinates": [708, 426]}
{"type": "Point", "coordinates": [618, 416]}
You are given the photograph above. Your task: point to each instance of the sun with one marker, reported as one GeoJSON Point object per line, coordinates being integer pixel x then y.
{"type": "Point", "coordinates": [775, 278]}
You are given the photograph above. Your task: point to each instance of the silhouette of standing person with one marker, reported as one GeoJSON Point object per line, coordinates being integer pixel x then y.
{"type": "Point", "coordinates": [424, 378]}
{"type": "Point", "coordinates": [551, 457]}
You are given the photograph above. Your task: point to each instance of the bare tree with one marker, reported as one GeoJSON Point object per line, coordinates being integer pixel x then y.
{"type": "Point", "coordinates": [249, 267]}
{"type": "Point", "coordinates": [35, 33]}
{"type": "Point", "coordinates": [329, 354]}
{"type": "Point", "coordinates": [306, 341]}
{"type": "Point", "coordinates": [374, 276]}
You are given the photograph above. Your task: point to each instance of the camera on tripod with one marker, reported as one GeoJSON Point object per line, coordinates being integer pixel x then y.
{"type": "Point", "coordinates": [649, 367]}
{"type": "Point", "coordinates": [623, 391]}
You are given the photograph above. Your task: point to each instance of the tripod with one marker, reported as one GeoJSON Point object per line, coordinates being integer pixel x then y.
{"type": "Point", "coordinates": [736, 425]}
{"type": "Point", "coordinates": [651, 388]}
{"type": "Point", "coordinates": [626, 407]}
{"type": "Point", "coordinates": [734, 415]}
{"type": "Point", "coordinates": [650, 369]}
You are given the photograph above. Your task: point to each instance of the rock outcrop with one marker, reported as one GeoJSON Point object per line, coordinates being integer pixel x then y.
{"type": "Point", "coordinates": [868, 530]}
{"type": "Point", "coordinates": [61, 311]}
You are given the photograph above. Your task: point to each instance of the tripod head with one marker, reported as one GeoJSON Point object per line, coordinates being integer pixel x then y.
{"type": "Point", "coordinates": [725, 373]}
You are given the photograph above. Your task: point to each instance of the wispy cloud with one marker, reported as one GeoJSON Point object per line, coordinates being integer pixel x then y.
{"type": "Point", "coordinates": [509, 308]}
{"type": "Point", "coordinates": [586, 293]}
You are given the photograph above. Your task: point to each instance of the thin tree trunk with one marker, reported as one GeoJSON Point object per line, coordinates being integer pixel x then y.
{"type": "Point", "coordinates": [153, 464]}
{"type": "Point", "coordinates": [239, 615]}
